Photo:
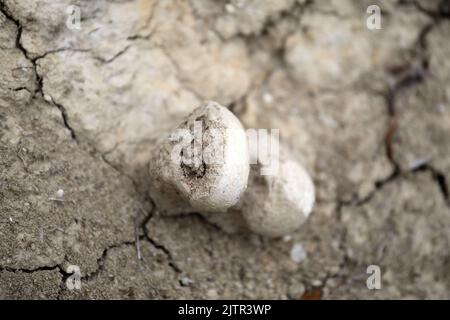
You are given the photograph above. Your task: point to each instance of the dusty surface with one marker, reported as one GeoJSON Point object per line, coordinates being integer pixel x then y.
{"type": "Point", "coordinates": [367, 112]}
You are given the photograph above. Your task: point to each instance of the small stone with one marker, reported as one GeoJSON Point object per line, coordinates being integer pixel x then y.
{"type": "Point", "coordinates": [186, 282]}
{"type": "Point", "coordinates": [212, 294]}
{"type": "Point", "coordinates": [60, 193]}
{"type": "Point", "coordinates": [267, 98]}
{"type": "Point", "coordinates": [296, 291]}
{"type": "Point", "coordinates": [298, 254]}
{"type": "Point", "coordinates": [316, 283]}
{"type": "Point", "coordinates": [230, 8]}
{"type": "Point", "coordinates": [440, 108]}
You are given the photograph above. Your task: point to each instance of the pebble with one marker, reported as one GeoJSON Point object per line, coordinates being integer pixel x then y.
{"type": "Point", "coordinates": [267, 98]}
{"type": "Point", "coordinates": [298, 254]}
{"type": "Point", "coordinates": [212, 294]}
{"type": "Point", "coordinates": [296, 291]}
{"type": "Point", "coordinates": [186, 282]}
{"type": "Point", "coordinates": [230, 8]}
{"type": "Point", "coordinates": [440, 108]}
{"type": "Point", "coordinates": [60, 193]}
{"type": "Point", "coordinates": [317, 282]}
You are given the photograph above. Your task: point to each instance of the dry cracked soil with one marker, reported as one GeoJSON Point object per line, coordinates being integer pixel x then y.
{"type": "Point", "coordinates": [366, 111]}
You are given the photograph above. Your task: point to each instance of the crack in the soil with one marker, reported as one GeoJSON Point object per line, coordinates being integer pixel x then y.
{"type": "Point", "coordinates": [159, 246]}
{"type": "Point", "coordinates": [411, 76]}
{"type": "Point", "coordinates": [141, 234]}
{"type": "Point", "coordinates": [146, 25]}
{"type": "Point", "coordinates": [4, 9]}
{"type": "Point", "coordinates": [295, 11]}
{"type": "Point", "coordinates": [438, 177]}
{"type": "Point", "coordinates": [442, 12]}
{"type": "Point", "coordinates": [57, 267]}
{"type": "Point", "coordinates": [145, 234]}
{"type": "Point", "coordinates": [64, 49]}
{"type": "Point", "coordinates": [65, 119]}
{"type": "Point", "coordinates": [114, 57]}
{"type": "Point", "coordinates": [102, 258]}
{"type": "Point", "coordinates": [19, 89]}
{"type": "Point", "coordinates": [33, 61]}
{"type": "Point", "coordinates": [61, 108]}
{"type": "Point", "coordinates": [408, 77]}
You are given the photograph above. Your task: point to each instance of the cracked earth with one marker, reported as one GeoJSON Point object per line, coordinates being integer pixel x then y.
{"type": "Point", "coordinates": [366, 112]}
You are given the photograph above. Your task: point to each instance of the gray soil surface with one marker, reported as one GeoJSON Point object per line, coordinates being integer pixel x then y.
{"type": "Point", "coordinates": [366, 112]}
